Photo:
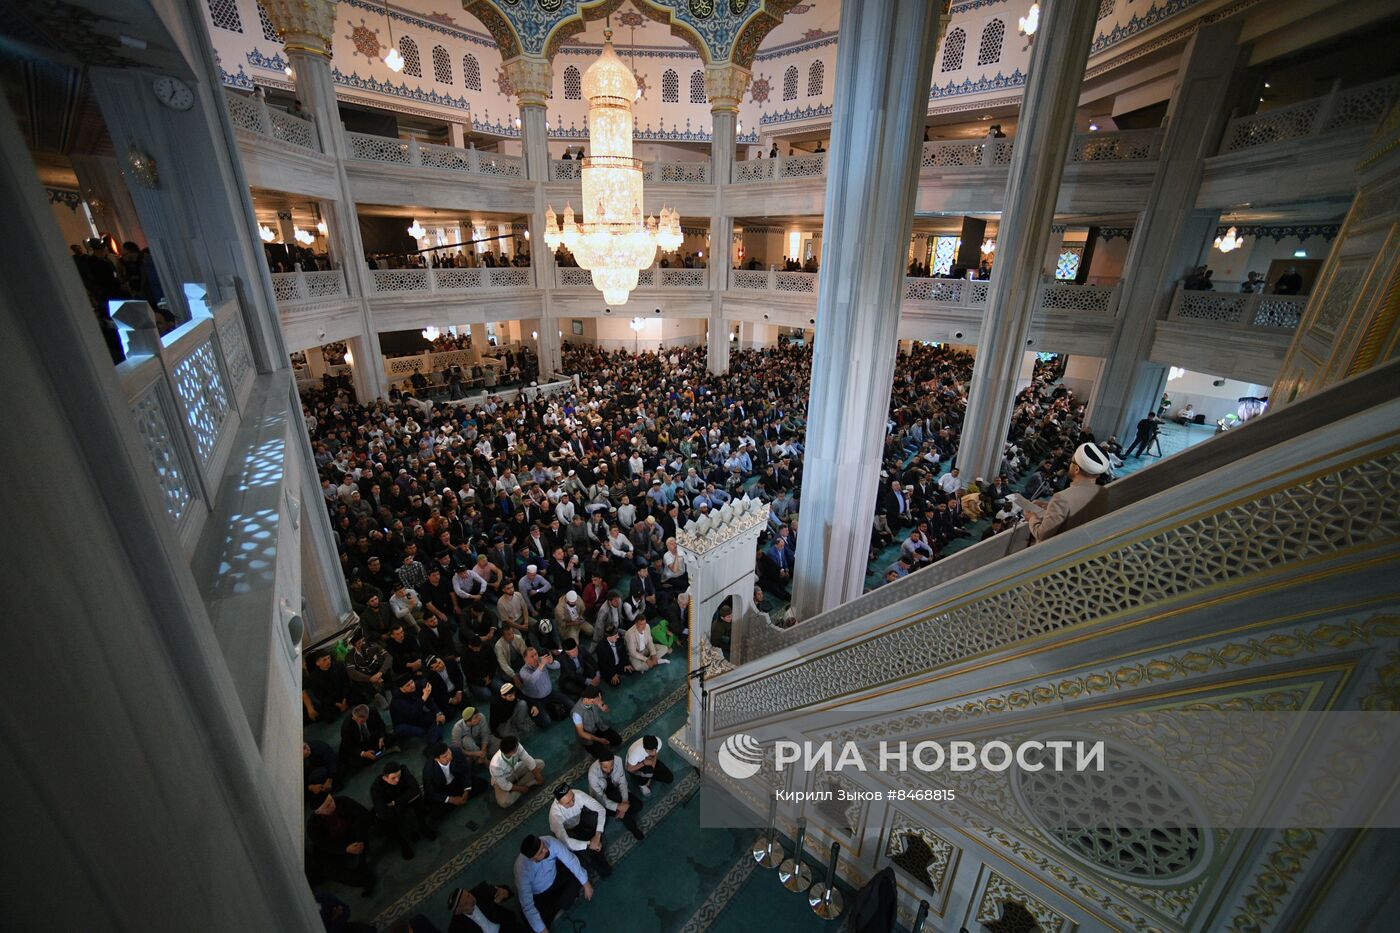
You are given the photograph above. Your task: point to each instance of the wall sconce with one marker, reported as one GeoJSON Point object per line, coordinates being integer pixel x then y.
{"type": "Point", "coordinates": [143, 167]}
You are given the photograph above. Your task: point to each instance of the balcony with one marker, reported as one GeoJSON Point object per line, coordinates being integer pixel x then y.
{"type": "Point", "coordinates": [292, 288]}
{"type": "Point", "coordinates": [664, 173]}
{"type": "Point", "coordinates": [450, 281]}
{"type": "Point", "coordinates": [571, 277]}
{"type": "Point", "coordinates": [251, 114]}
{"type": "Point", "coordinates": [1241, 336]}
{"type": "Point", "coordinates": [1302, 152]}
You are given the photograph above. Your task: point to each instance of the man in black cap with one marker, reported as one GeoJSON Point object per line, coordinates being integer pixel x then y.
{"type": "Point", "coordinates": [607, 782]}
{"type": "Point", "coordinates": [612, 657]}
{"type": "Point", "coordinates": [400, 808]}
{"type": "Point", "coordinates": [482, 910]}
{"type": "Point", "coordinates": [339, 834]}
{"type": "Point", "coordinates": [576, 670]}
{"type": "Point", "coordinates": [577, 820]}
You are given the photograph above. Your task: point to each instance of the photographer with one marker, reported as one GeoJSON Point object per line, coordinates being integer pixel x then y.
{"type": "Point", "coordinates": [1146, 433]}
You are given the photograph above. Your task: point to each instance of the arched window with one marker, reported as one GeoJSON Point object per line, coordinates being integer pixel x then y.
{"type": "Point", "coordinates": [790, 83]}
{"type": "Point", "coordinates": [442, 65]}
{"type": "Point", "coordinates": [471, 73]}
{"type": "Point", "coordinates": [269, 30]}
{"type": "Point", "coordinates": [224, 14]}
{"type": "Point", "coordinates": [411, 63]}
{"type": "Point", "coordinates": [989, 52]}
{"type": "Point", "coordinates": [953, 50]}
{"type": "Point", "coordinates": [573, 84]}
{"type": "Point", "coordinates": [670, 87]}
{"type": "Point", "coordinates": [815, 78]}
{"type": "Point", "coordinates": [697, 87]}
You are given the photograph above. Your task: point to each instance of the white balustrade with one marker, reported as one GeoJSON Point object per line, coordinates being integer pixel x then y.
{"type": "Point", "coordinates": [806, 166]}
{"type": "Point", "coordinates": [754, 170]}
{"type": "Point", "coordinates": [1119, 146]}
{"type": "Point", "coordinates": [1085, 299]}
{"type": "Point", "coordinates": [252, 113]}
{"type": "Point", "coordinates": [756, 279]}
{"type": "Point", "coordinates": [655, 277]}
{"type": "Point", "coordinates": [1276, 313]}
{"type": "Point", "coordinates": [292, 287]}
{"type": "Point", "coordinates": [433, 281]}
{"type": "Point", "coordinates": [683, 173]}
{"type": "Point", "coordinates": [950, 153]}
{"type": "Point", "coordinates": [368, 148]}
{"type": "Point", "coordinates": [565, 169]}
{"type": "Point", "coordinates": [1363, 105]}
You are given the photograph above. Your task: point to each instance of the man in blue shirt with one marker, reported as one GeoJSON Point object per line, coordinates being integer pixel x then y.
{"type": "Point", "coordinates": [543, 889]}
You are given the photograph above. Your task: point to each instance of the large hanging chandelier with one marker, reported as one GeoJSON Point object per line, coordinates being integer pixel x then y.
{"type": "Point", "coordinates": [613, 241]}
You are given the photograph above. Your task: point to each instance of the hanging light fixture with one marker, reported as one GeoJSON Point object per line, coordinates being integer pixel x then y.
{"type": "Point", "coordinates": [431, 333]}
{"type": "Point", "coordinates": [392, 59]}
{"type": "Point", "coordinates": [613, 240]}
{"type": "Point", "coordinates": [302, 237]}
{"type": "Point", "coordinates": [417, 231]}
{"type": "Point", "coordinates": [1029, 23]}
{"type": "Point", "coordinates": [266, 233]}
{"type": "Point", "coordinates": [1229, 242]}
{"type": "Point", "coordinates": [321, 227]}
{"type": "Point", "coordinates": [989, 247]}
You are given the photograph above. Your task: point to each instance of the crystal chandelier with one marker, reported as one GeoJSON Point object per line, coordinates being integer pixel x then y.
{"type": "Point", "coordinates": [613, 241]}
{"type": "Point", "coordinates": [1229, 242]}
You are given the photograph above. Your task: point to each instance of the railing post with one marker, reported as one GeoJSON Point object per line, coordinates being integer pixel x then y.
{"type": "Point", "coordinates": [432, 281]}
{"type": "Point", "coordinates": [1326, 109]}
{"type": "Point", "coordinates": [772, 277]}
{"type": "Point", "coordinates": [473, 158]}
{"type": "Point", "coordinates": [264, 116]}
{"type": "Point", "coordinates": [989, 153]}
{"type": "Point", "coordinates": [1175, 310]}
{"type": "Point", "coordinates": [303, 291]}
{"type": "Point", "coordinates": [1251, 307]}
{"type": "Point", "coordinates": [415, 155]}
{"type": "Point", "coordinates": [778, 166]}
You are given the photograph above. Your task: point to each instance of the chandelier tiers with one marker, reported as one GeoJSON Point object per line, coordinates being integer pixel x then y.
{"type": "Point", "coordinates": [613, 241]}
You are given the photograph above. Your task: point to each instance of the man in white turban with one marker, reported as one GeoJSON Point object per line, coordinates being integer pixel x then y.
{"type": "Point", "coordinates": [1077, 503]}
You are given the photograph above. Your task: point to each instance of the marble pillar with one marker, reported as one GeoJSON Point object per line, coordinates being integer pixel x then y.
{"type": "Point", "coordinates": [532, 79]}
{"type": "Point", "coordinates": [1170, 231]}
{"type": "Point", "coordinates": [884, 66]}
{"type": "Point", "coordinates": [1043, 133]}
{"type": "Point", "coordinates": [725, 83]}
{"type": "Point", "coordinates": [307, 28]}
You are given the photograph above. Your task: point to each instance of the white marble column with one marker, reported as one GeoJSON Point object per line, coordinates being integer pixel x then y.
{"type": "Point", "coordinates": [1043, 133]}
{"type": "Point", "coordinates": [101, 185]}
{"type": "Point", "coordinates": [1170, 232]}
{"type": "Point", "coordinates": [532, 78]}
{"type": "Point", "coordinates": [884, 65]}
{"type": "Point", "coordinates": [725, 83]}
{"type": "Point", "coordinates": [307, 27]}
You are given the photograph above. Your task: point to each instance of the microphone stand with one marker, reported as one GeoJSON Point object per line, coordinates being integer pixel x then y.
{"type": "Point", "coordinates": [702, 714]}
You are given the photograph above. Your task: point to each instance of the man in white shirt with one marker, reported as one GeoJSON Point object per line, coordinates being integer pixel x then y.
{"type": "Point", "coordinates": [951, 482]}
{"type": "Point", "coordinates": [643, 650]}
{"type": "Point", "coordinates": [482, 910]}
{"type": "Point", "coordinates": [644, 764]}
{"type": "Point", "coordinates": [533, 586]}
{"type": "Point", "coordinates": [513, 771]}
{"type": "Point", "coordinates": [565, 509]}
{"type": "Point", "coordinates": [577, 820]}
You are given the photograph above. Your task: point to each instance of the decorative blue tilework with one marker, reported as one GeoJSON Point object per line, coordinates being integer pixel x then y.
{"type": "Point", "coordinates": [787, 116]}
{"type": "Point", "coordinates": [968, 86]}
{"type": "Point", "coordinates": [258, 60]}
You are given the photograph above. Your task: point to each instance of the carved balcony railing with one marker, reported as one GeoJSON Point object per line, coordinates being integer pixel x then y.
{"type": "Point", "coordinates": [655, 277]}
{"type": "Point", "coordinates": [774, 280]}
{"type": "Point", "coordinates": [185, 391]}
{"type": "Point", "coordinates": [450, 281]}
{"type": "Point", "coordinates": [391, 151]}
{"type": "Point", "coordinates": [1363, 105]}
{"type": "Point", "coordinates": [808, 165]}
{"type": "Point", "coordinates": [1268, 313]}
{"type": "Point", "coordinates": [1117, 146]}
{"type": "Point", "coordinates": [658, 173]}
{"type": "Point", "coordinates": [296, 287]}
{"type": "Point", "coordinates": [250, 112]}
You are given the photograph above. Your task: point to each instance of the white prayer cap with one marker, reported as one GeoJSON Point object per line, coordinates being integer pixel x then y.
{"type": "Point", "coordinates": [1091, 460]}
{"type": "Point", "coordinates": [532, 569]}
{"type": "Point", "coordinates": [571, 597]}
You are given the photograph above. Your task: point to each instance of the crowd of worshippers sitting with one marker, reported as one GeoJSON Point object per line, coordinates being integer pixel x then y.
{"type": "Point", "coordinates": [935, 508]}
{"type": "Point", "coordinates": [470, 670]}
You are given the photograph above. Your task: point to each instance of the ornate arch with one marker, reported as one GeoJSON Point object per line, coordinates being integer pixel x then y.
{"type": "Point", "coordinates": [746, 45]}
{"type": "Point", "coordinates": [718, 30]}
